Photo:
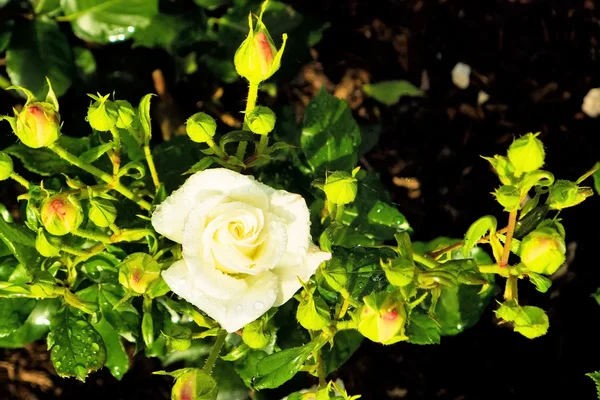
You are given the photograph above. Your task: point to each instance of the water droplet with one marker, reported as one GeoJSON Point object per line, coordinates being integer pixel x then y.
{"type": "Point", "coordinates": [238, 308]}
{"type": "Point", "coordinates": [272, 293]}
{"type": "Point", "coordinates": [361, 285]}
{"type": "Point", "coordinates": [57, 364]}
{"type": "Point", "coordinates": [95, 346]}
{"type": "Point", "coordinates": [258, 306]}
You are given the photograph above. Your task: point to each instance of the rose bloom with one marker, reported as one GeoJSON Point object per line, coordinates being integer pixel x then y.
{"type": "Point", "coordinates": [591, 103]}
{"type": "Point", "coordinates": [245, 245]}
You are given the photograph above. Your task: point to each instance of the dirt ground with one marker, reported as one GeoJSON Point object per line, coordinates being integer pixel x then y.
{"type": "Point", "coordinates": [536, 59]}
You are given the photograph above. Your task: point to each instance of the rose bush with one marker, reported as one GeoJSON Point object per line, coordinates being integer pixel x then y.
{"type": "Point", "coordinates": [245, 245]}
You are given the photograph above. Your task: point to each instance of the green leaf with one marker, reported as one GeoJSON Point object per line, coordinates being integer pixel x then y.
{"type": "Point", "coordinates": [21, 243]}
{"type": "Point", "coordinates": [390, 92]}
{"type": "Point", "coordinates": [278, 368]}
{"type": "Point", "coordinates": [95, 153]}
{"type": "Point", "coordinates": [234, 137]}
{"type": "Point", "coordinates": [85, 63]}
{"type": "Point", "coordinates": [211, 4]}
{"type": "Point", "coordinates": [117, 360]}
{"type": "Point", "coordinates": [529, 321]}
{"type": "Point", "coordinates": [422, 330]}
{"type": "Point", "coordinates": [35, 327]}
{"type": "Point", "coordinates": [44, 6]}
{"type": "Point", "coordinates": [76, 348]}
{"type": "Point", "coordinates": [174, 158]}
{"type": "Point", "coordinates": [201, 165]}
{"type": "Point", "coordinates": [246, 367]}
{"type": "Point", "coordinates": [330, 136]}
{"type": "Point", "coordinates": [595, 376]}
{"type": "Point", "coordinates": [104, 21]}
{"type": "Point", "coordinates": [144, 113]}
{"type": "Point", "coordinates": [171, 32]}
{"type": "Point", "coordinates": [45, 162]}
{"type": "Point", "coordinates": [345, 344]}
{"type": "Point", "coordinates": [313, 314]}
{"type": "Point", "coordinates": [6, 28]}
{"type": "Point", "coordinates": [38, 49]}
{"type": "Point", "coordinates": [13, 314]}
{"type": "Point", "coordinates": [541, 283]}
{"type": "Point", "coordinates": [596, 177]}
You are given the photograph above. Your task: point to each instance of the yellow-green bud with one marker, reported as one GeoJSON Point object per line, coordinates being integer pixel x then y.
{"type": "Point", "coordinates": [256, 334]}
{"type": "Point", "coordinates": [382, 319]}
{"type": "Point", "coordinates": [194, 384]}
{"type": "Point", "coordinates": [6, 166]}
{"type": "Point", "coordinates": [43, 245]}
{"type": "Point", "coordinates": [261, 120]}
{"type": "Point", "coordinates": [543, 250]}
{"type": "Point", "coordinates": [102, 212]}
{"type": "Point", "coordinates": [126, 114]}
{"type": "Point", "coordinates": [38, 125]}
{"type": "Point", "coordinates": [526, 154]}
{"type": "Point", "coordinates": [503, 168]}
{"type": "Point", "coordinates": [565, 194]}
{"type": "Point", "coordinates": [257, 59]}
{"type": "Point", "coordinates": [61, 214]}
{"type": "Point", "coordinates": [201, 127]}
{"type": "Point", "coordinates": [102, 114]}
{"type": "Point", "coordinates": [138, 272]}
{"type": "Point", "coordinates": [341, 187]}
{"type": "Point", "coordinates": [509, 197]}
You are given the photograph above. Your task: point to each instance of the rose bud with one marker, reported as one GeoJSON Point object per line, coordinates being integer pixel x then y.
{"type": "Point", "coordinates": [126, 114]}
{"type": "Point", "coordinates": [61, 214]}
{"type": "Point", "coordinates": [257, 58]}
{"type": "Point", "coordinates": [543, 250]}
{"type": "Point", "coordinates": [341, 187]}
{"type": "Point", "coordinates": [382, 318]}
{"type": "Point", "coordinates": [526, 154]}
{"type": "Point", "coordinates": [38, 125]}
{"type": "Point", "coordinates": [261, 120]}
{"type": "Point", "coordinates": [6, 166]}
{"type": "Point", "coordinates": [565, 194]}
{"type": "Point", "coordinates": [201, 127]}
{"type": "Point", "coordinates": [194, 384]}
{"type": "Point", "coordinates": [102, 114]}
{"type": "Point", "coordinates": [138, 272]}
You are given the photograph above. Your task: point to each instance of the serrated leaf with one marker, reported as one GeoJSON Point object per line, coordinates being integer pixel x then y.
{"type": "Point", "coordinates": [330, 136]}
{"type": "Point", "coordinates": [422, 330]}
{"type": "Point", "coordinates": [174, 158]}
{"type": "Point", "coordinates": [95, 153]}
{"type": "Point", "coordinates": [313, 313]}
{"type": "Point", "coordinates": [117, 360]}
{"type": "Point", "coordinates": [144, 114]}
{"type": "Point", "coordinates": [106, 21]}
{"type": "Point", "coordinates": [38, 49]}
{"type": "Point", "coordinates": [35, 327]}
{"type": "Point", "coordinates": [76, 348]}
{"type": "Point", "coordinates": [278, 368]}
{"type": "Point", "coordinates": [13, 314]}
{"type": "Point", "coordinates": [541, 283]}
{"type": "Point", "coordinates": [390, 92]}
{"type": "Point", "coordinates": [345, 344]}
{"type": "Point", "coordinates": [595, 376]}
{"type": "Point", "coordinates": [477, 230]}
{"type": "Point", "coordinates": [21, 243]}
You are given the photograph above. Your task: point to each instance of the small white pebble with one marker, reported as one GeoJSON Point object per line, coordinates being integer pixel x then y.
{"type": "Point", "coordinates": [461, 75]}
{"type": "Point", "coordinates": [482, 97]}
{"type": "Point", "coordinates": [591, 103]}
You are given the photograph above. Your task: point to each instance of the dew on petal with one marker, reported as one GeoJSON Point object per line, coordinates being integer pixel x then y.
{"type": "Point", "coordinates": [238, 308]}
{"type": "Point", "coordinates": [258, 306]}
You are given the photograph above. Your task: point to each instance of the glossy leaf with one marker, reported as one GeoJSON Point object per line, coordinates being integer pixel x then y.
{"type": "Point", "coordinates": [278, 368]}
{"type": "Point", "coordinates": [76, 348]}
{"type": "Point", "coordinates": [390, 92]}
{"type": "Point", "coordinates": [422, 330]}
{"type": "Point", "coordinates": [105, 21]}
{"type": "Point", "coordinates": [345, 344]}
{"type": "Point", "coordinates": [210, 4]}
{"type": "Point", "coordinates": [95, 153]}
{"type": "Point", "coordinates": [38, 49]}
{"type": "Point", "coordinates": [117, 360]}
{"type": "Point", "coordinates": [13, 314]}
{"type": "Point", "coordinates": [35, 327]}
{"type": "Point", "coordinates": [330, 136]}
{"type": "Point", "coordinates": [146, 123]}
{"type": "Point", "coordinates": [21, 243]}
{"type": "Point", "coordinates": [174, 158]}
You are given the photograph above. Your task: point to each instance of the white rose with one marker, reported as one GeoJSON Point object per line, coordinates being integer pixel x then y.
{"type": "Point", "coordinates": [244, 245]}
{"type": "Point", "coordinates": [591, 103]}
{"type": "Point", "coordinates": [461, 75]}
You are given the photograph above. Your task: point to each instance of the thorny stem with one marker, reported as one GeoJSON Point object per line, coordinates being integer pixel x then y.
{"type": "Point", "coordinates": [98, 237]}
{"type": "Point", "coordinates": [116, 185]}
{"type": "Point", "coordinates": [320, 369]}
{"type": "Point", "coordinates": [512, 223]}
{"type": "Point", "coordinates": [18, 178]}
{"type": "Point", "coordinates": [214, 351]}
{"type": "Point", "coordinates": [151, 166]}
{"type": "Point", "coordinates": [250, 104]}
{"type": "Point", "coordinates": [339, 213]}
{"type": "Point", "coordinates": [438, 253]}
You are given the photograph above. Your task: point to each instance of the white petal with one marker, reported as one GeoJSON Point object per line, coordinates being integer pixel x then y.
{"type": "Point", "coordinates": [288, 277]}
{"type": "Point", "coordinates": [232, 314]}
{"type": "Point", "coordinates": [292, 209]}
{"type": "Point", "coordinates": [169, 217]}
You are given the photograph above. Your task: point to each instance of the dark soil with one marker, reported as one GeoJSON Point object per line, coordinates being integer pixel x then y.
{"type": "Point", "coordinates": [536, 59]}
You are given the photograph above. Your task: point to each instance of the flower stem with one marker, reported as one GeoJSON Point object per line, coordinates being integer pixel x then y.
{"type": "Point", "coordinates": [438, 253]}
{"type": "Point", "coordinates": [214, 351]}
{"type": "Point", "coordinates": [339, 213]}
{"type": "Point", "coordinates": [116, 185]}
{"type": "Point", "coordinates": [425, 260]}
{"type": "Point", "coordinates": [115, 154]}
{"type": "Point", "coordinates": [320, 369]}
{"type": "Point", "coordinates": [151, 166]}
{"type": "Point", "coordinates": [512, 223]}
{"type": "Point", "coordinates": [250, 104]}
{"type": "Point", "coordinates": [589, 173]}
{"type": "Point", "coordinates": [213, 146]}
{"type": "Point", "coordinates": [18, 178]}
{"type": "Point", "coordinates": [263, 144]}
{"type": "Point", "coordinates": [511, 289]}
{"type": "Point", "coordinates": [98, 237]}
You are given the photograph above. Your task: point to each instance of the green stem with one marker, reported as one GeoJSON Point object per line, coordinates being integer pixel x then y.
{"type": "Point", "coordinates": [115, 154]}
{"type": "Point", "coordinates": [250, 104]}
{"type": "Point", "coordinates": [119, 187]}
{"type": "Point", "coordinates": [214, 352]}
{"type": "Point", "coordinates": [151, 166]}
{"type": "Point", "coordinates": [18, 178]}
{"type": "Point", "coordinates": [511, 289]}
{"type": "Point", "coordinates": [425, 260]}
{"type": "Point", "coordinates": [263, 144]}
{"type": "Point", "coordinates": [211, 143]}
{"type": "Point", "coordinates": [4, 82]}
{"type": "Point", "coordinates": [321, 369]}
{"type": "Point", "coordinates": [494, 269]}
{"type": "Point", "coordinates": [589, 173]}
{"type": "Point", "coordinates": [339, 213]}
{"type": "Point", "coordinates": [73, 251]}
{"type": "Point", "coordinates": [98, 237]}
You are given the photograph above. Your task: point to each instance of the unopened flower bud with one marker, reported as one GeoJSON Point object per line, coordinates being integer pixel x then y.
{"type": "Point", "coordinates": [138, 272]}
{"type": "Point", "coordinates": [543, 250]}
{"type": "Point", "coordinates": [526, 154]}
{"type": "Point", "coordinates": [6, 166]}
{"type": "Point", "coordinates": [565, 194]}
{"type": "Point", "coordinates": [257, 59]}
{"type": "Point", "coordinates": [503, 168]}
{"type": "Point", "coordinates": [102, 114]}
{"type": "Point", "coordinates": [126, 114]}
{"type": "Point", "coordinates": [201, 127]}
{"type": "Point", "coordinates": [194, 384]}
{"type": "Point", "coordinates": [102, 212]}
{"type": "Point", "coordinates": [61, 214]}
{"type": "Point", "coordinates": [38, 125]}
{"type": "Point", "coordinates": [261, 120]}
{"type": "Point", "coordinates": [382, 318]}
{"type": "Point", "coordinates": [509, 197]}
{"type": "Point", "coordinates": [341, 187]}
